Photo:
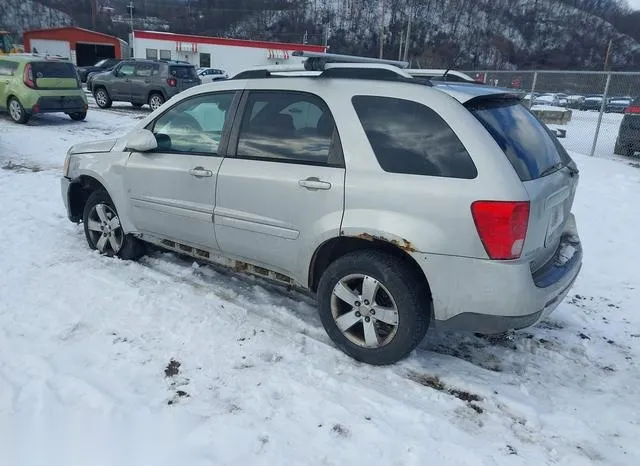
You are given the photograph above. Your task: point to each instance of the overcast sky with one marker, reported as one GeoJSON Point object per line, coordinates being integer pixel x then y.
{"type": "Point", "coordinates": [635, 4]}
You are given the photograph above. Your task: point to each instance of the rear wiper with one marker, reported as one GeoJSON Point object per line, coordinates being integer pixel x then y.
{"type": "Point", "coordinates": [553, 168]}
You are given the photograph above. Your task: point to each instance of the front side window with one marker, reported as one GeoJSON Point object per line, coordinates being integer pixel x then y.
{"type": "Point", "coordinates": [410, 138]}
{"type": "Point", "coordinates": [128, 69]}
{"type": "Point", "coordinates": [288, 127]}
{"type": "Point", "coordinates": [194, 126]}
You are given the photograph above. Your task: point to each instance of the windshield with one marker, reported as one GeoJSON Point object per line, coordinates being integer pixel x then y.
{"type": "Point", "coordinates": [528, 144]}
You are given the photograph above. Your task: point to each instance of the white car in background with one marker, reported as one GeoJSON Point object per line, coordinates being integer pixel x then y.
{"type": "Point", "coordinates": [209, 75]}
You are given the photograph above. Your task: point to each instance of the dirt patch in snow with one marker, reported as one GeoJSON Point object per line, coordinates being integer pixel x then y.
{"type": "Point", "coordinates": [433, 381]}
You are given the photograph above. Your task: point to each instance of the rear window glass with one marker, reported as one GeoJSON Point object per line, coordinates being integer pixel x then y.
{"type": "Point", "coordinates": [408, 137]}
{"type": "Point", "coordinates": [528, 144]}
{"type": "Point", "coordinates": [183, 72]}
{"type": "Point", "coordinates": [52, 69]}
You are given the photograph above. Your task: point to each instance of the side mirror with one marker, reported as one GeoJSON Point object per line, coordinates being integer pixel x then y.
{"type": "Point", "coordinates": [141, 141]}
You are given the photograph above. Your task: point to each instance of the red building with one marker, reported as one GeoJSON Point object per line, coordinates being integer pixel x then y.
{"type": "Point", "coordinates": [81, 46]}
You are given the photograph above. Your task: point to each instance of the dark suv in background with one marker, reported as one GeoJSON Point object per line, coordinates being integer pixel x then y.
{"type": "Point", "coordinates": [106, 64]}
{"type": "Point", "coordinates": [143, 82]}
{"type": "Point", "coordinates": [628, 142]}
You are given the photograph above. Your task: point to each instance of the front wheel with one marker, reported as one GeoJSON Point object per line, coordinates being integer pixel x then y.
{"type": "Point", "coordinates": [17, 111]}
{"type": "Point", "coordinates": [102, 98]}
{"type": "Point", "coordinates": [78, 116]}
{"type": "Point", "coordinates": [374, 306]}
{"type": "Point", "coordinates": [156, 101]}
{"type": "Point", "coordinates": [104, 232]}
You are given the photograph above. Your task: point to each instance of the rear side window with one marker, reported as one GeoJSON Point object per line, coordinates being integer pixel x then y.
{"type": "Point", "coordinates": [530, 147]}
{"type": "Point", "coordinates": [183, 72]}
{"type": "Point", "coordinates": [52, 69]}
{"type": "Point", "coordinates": [8, 68]}
{"type": "Point", "coordinates": [408, 137]}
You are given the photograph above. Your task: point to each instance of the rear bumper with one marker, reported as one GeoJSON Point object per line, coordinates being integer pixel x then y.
{"type": "Point", "coordinates": [487, 296]}
{"type": "Point", "coordinates": [66, 104]}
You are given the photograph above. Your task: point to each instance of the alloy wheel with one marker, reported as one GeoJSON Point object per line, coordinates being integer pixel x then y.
{"type": "Point", "coordinates": [105, 231]}
{"type": "Point", "coordinates": [364, 311]}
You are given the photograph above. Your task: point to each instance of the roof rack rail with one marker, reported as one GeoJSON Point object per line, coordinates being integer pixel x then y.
{"type": "Point", "coordinates": [316, 61]}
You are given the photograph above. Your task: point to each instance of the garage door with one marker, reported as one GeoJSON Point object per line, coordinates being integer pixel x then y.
{"type": "Point", "coordinates": [51, 47]}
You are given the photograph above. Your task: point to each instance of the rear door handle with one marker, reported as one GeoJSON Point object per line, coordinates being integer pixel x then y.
{"type": "Point", "coordinates": [314, 183]}
{"type": "Point", "coordinates": [200, 172]}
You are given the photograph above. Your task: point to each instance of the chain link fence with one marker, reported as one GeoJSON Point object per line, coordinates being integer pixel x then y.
{"type": "Point", "coordinates": [587, 107]}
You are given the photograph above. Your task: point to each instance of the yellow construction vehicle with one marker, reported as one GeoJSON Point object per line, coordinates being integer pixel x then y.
{"type": "Point", "coordinates": [6, 44]}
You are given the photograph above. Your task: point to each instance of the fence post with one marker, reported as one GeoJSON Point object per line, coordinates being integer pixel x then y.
{"type": "Point", "coordinates": [533, 88]}
{"type": "Point", "coordinates": [602, 107]}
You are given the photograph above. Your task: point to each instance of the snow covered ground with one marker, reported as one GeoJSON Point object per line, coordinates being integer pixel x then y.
{"type": "Point", "coordinates": [165, 362]}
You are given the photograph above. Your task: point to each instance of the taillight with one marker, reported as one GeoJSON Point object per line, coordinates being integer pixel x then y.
{"type": "Point", "coordinates": [502, 227]}
{"type": "Point", "coordinates": [172, 82]}
{"type": "Point", "coordinates": [633, 109]}
{"type": "Point", "coordinates": [27, 76]}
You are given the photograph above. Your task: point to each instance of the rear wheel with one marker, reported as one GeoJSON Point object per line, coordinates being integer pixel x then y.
{"type": "Point", "coordinates": [104, 232]}
{"type": "Point", "coordinates": [373, 306]}
{"type": "Point", "coordinates": [78, 116]}
{"type": "Point", "coordinates": [17, 111]}
{"type": "Point", "coordinates": [155, 101]}
{"type": "Point", "coordinates": [102, 98]}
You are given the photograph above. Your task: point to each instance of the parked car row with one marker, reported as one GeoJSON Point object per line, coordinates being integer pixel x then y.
{"type": "Point", "coordinates": [616, 104]}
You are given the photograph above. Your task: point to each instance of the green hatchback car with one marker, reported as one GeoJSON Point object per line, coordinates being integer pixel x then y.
{"type": "Point", "coordinates": [30, 84]}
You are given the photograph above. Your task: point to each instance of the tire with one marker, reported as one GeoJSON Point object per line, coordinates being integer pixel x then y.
{"type": "Point", "coordinates": [398, 287]}
{"type": "Point", "coordinates": [136, 105]}
{"type": "Point", "coordinates": [17, 112]}
{"type": "Point", "coordinates": [102, 98]}
{"type": "Point", "coordinates": [622, 150]}
{"type": "Point", "coordinates": [78, 116]}
{"type": "Point", "coordinates": [98, 218]}
{"type": "Point", "coordinates": [155, 100]}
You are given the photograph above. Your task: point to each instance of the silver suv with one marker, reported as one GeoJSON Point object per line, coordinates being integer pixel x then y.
{"type": "Point", "coordinates": [396, 203]}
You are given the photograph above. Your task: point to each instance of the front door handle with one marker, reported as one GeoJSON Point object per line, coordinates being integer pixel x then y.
{"type": "Point", "coordinates": [314, 183]}
{"type": "Point", "coordinates": [200, 172]}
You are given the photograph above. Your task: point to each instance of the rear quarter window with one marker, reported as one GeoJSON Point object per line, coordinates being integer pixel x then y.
{"type": "Point", "coordinates": [410, 138]}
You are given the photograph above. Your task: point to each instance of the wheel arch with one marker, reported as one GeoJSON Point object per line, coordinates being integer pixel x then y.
{"type": "Point", "coordinates": [79, 191]}
{"type": "Point", "coordinates": [336, 247]}
{"type": "Point", "coordinates": [156, 91]}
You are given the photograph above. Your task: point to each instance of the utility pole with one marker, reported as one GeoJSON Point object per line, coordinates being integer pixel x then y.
{"type": "Point", "coordinates": [400, 51]}
{"type": "Point", "coordinates": [608, 55]}
{"type": "Point", "coordinates": [130, 8]}
{"type": "Point", "coordinates": [406, 42]}
{"type": "Point", "coordinates": [381, 27]}
{"type": "Point", "coordinates": [94, 13]}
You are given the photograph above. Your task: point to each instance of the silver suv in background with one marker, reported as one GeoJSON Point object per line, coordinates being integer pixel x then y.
{"type": "Point", "coordinates": [143, 82]}
{"type": "Point", "coordinates": [396, 203]}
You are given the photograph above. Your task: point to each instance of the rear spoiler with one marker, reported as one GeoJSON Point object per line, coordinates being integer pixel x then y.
{"type": "Point", "coordinates": [490, 100]}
